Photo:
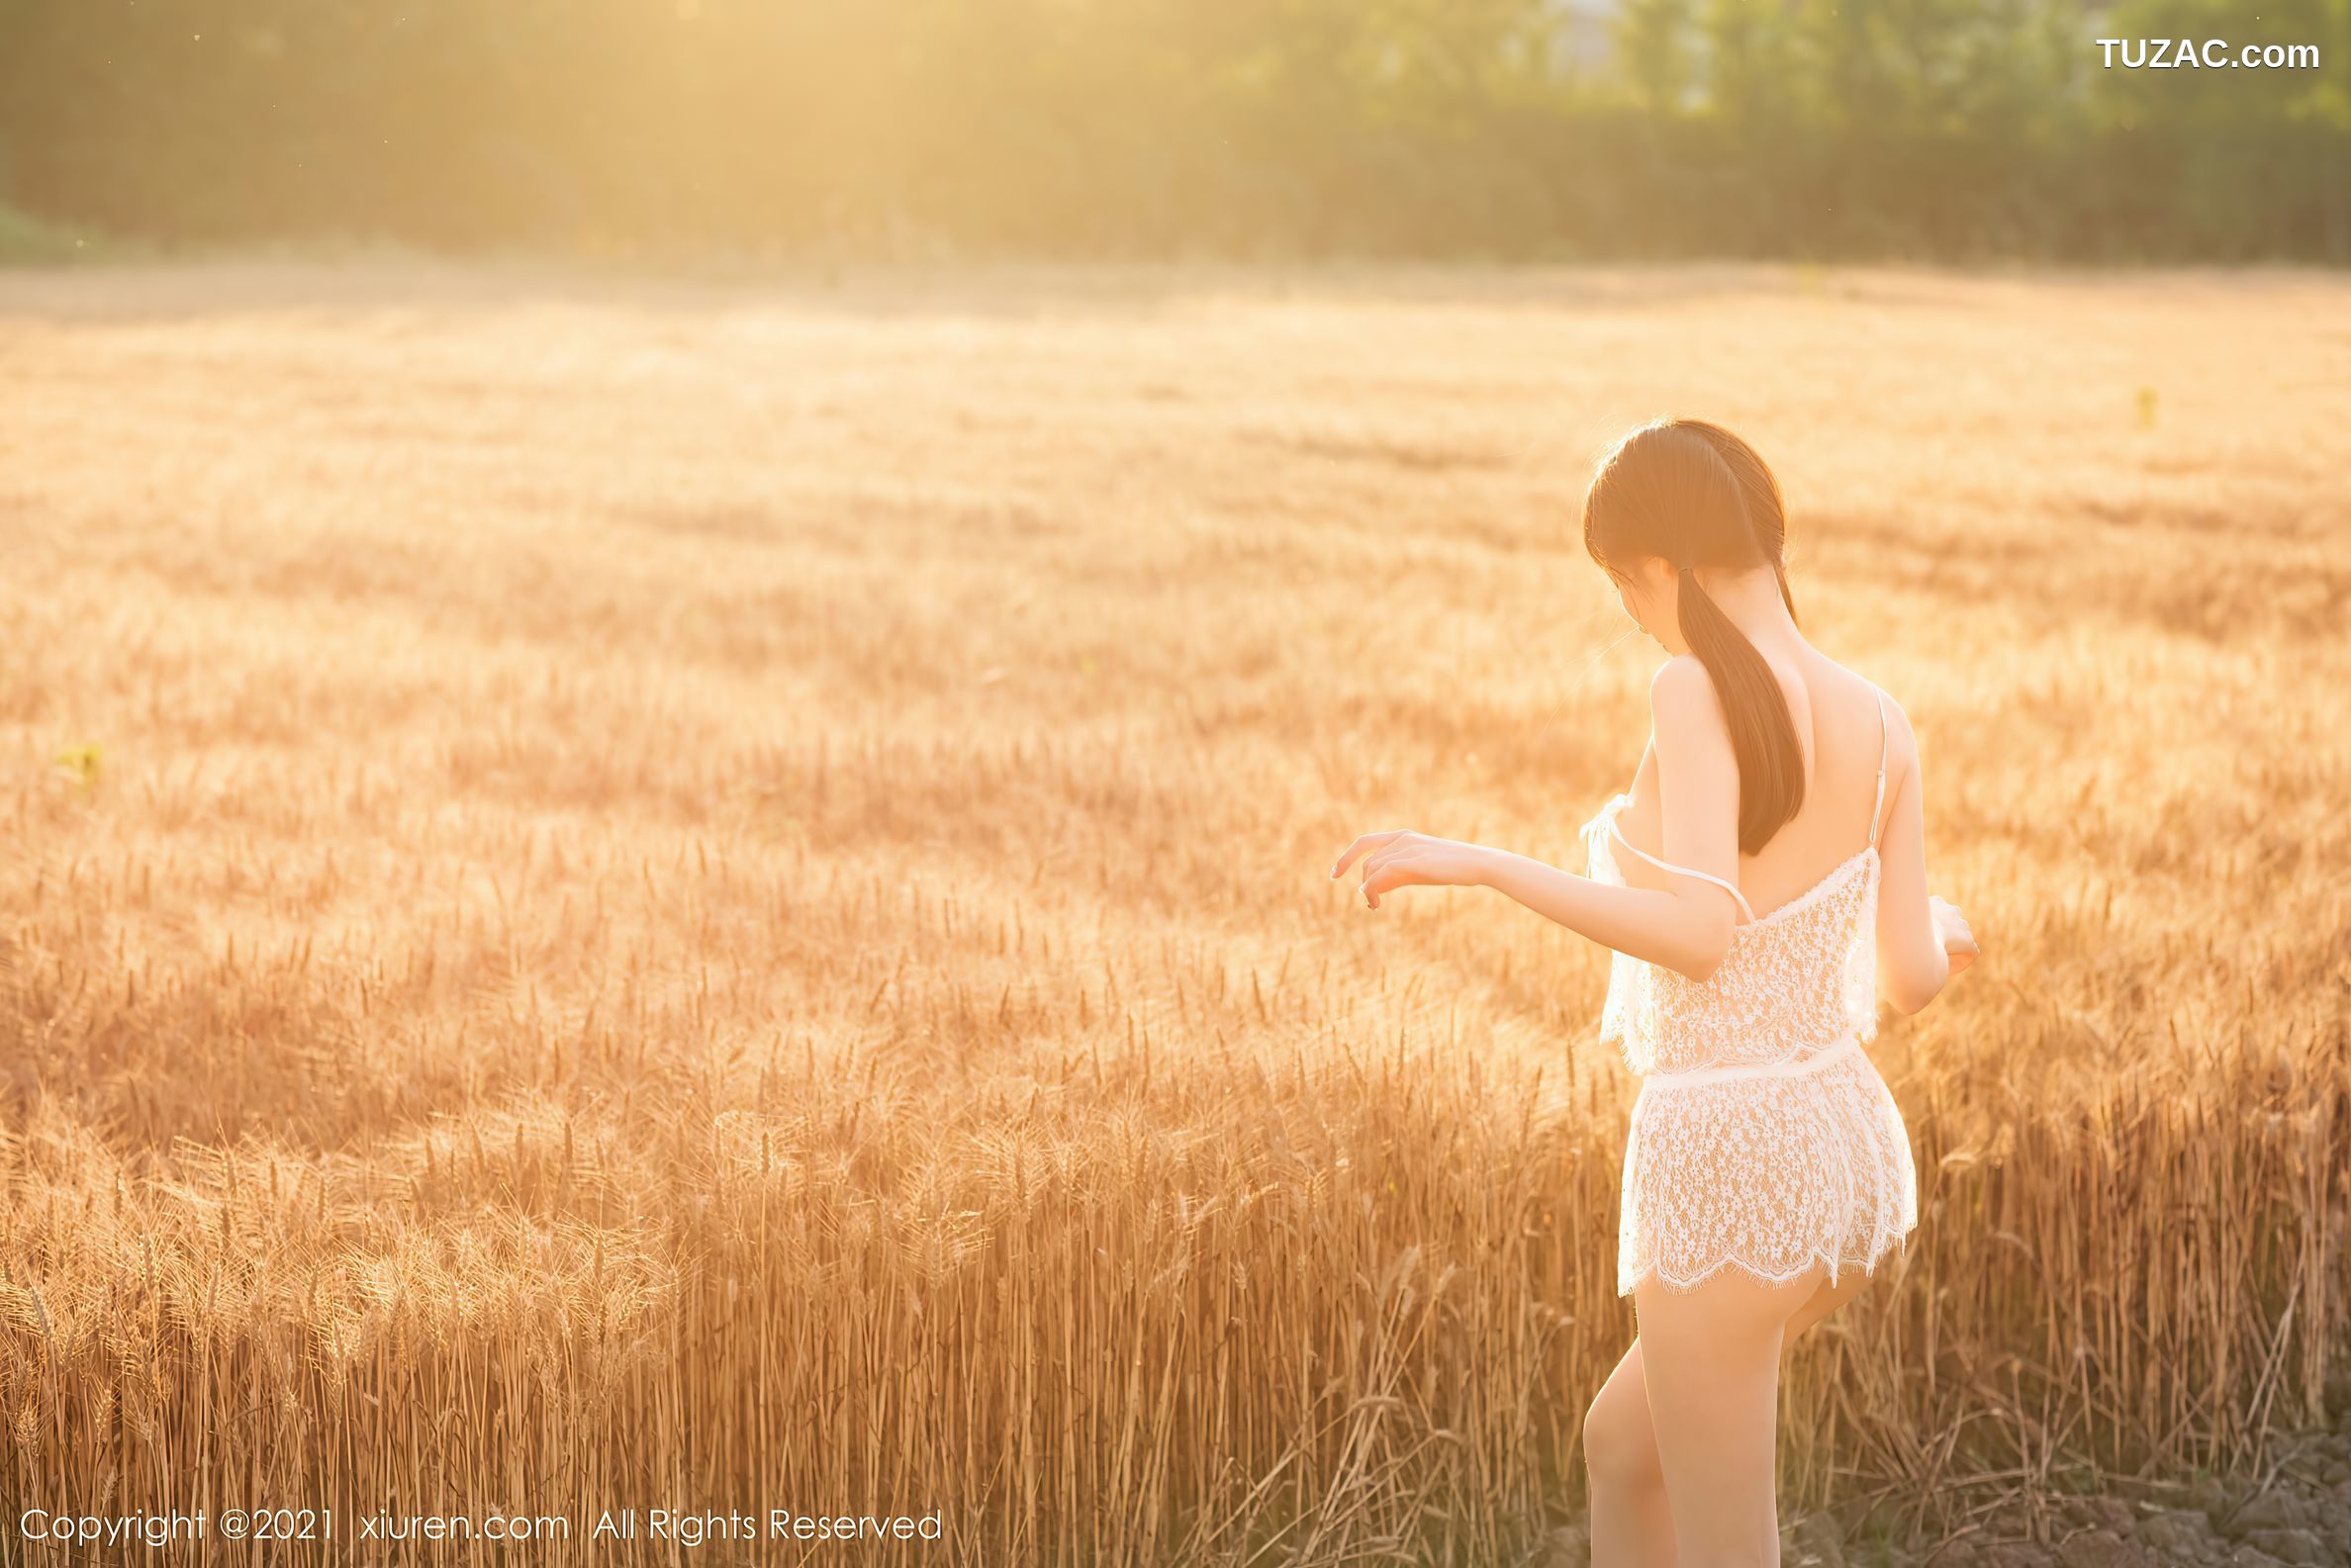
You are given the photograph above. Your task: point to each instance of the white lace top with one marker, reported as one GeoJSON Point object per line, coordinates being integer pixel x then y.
{"type": "Point", "coordinates": [1763, 1137]}
{"type": "Point", "coordinates": [1800, 980]}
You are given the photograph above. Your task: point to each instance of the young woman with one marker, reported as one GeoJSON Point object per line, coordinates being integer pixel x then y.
{"type": "Point", "coordinates": [1763, 882]}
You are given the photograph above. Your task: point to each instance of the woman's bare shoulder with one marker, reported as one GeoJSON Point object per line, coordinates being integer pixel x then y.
{"type": "Point", "coordinates": [1902, 742]}
{"type": "Point", "coordinates": [1682, 690]}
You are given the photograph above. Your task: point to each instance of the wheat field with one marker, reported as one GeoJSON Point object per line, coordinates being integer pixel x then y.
{"type": "Point", "coordinates": [710, 892]}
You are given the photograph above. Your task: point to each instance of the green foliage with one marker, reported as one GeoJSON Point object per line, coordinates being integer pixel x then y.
{"type": "Point", "coordinates": [29, 241]}
{"type": "Point", "coordinates": [1787, 128]}
{"type": "Point", "coordinates": [81, 763]}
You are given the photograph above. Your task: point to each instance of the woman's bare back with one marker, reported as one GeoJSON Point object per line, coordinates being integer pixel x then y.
{"type": "Point", "coordinates": [1840, 728]}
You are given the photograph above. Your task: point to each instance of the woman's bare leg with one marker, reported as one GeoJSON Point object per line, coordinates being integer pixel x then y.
{"type": "Point", "coordinates": [1825, 1299]}
{"type": "Point", "coordinates": [1632, 1527]}
{"type": "Point", "coordinates": [1712, 1369]}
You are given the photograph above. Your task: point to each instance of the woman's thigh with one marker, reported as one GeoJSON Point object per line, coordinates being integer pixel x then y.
{"type": "Point", "coordinates": [1711, 1363]}
{"type": "Point", "coordinates": [1620, 1435]}
{"type": "Point", "coordinates": [1825, 1299]}
{"type": "Point", "coordinates": [1620, 1443]}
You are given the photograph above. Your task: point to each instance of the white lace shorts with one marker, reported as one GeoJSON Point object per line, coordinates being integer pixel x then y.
{"type": "Point", "coordinates": [1770, 1170]}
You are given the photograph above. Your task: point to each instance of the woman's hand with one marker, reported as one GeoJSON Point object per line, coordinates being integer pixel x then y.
{"type": "Point", "coordinates": [1405, 859]}
{"type": "Point", "coordinates": [1959, 943]}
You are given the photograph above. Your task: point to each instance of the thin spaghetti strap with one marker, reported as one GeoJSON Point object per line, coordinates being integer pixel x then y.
{"type": "Point", "coordinates": [1618, 834]}
{"type": "Point", "coordinates": [1885, 740]}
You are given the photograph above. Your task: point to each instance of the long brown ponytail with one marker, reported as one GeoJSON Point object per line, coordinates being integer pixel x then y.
{"type": "Point", "coordinates": [1694, 495]}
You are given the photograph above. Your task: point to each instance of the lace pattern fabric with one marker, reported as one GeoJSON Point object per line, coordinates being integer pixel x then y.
{"type": "Point", "coordinates": [1763, 1138]}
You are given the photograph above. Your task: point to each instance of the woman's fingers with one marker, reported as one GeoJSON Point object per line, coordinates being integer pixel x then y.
{"type": "Point", "coordinates": [1369, 840]}
{"type": "Point", "coordinates": [1393, 862]}
{"type": "Point", "coordinates": [1960, 943]}
{"type": "Point", "coordinates": [1393, 869]}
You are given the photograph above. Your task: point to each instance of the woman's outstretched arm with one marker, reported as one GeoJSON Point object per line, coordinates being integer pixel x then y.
{"type": "Point", "coordinates": [1685, 931]}
{"type": "Point", "coordinates": [1686, 928]}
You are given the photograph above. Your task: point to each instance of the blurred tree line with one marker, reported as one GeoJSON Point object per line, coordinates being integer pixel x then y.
{"type": "Point", "coordinates": [1484, 127]}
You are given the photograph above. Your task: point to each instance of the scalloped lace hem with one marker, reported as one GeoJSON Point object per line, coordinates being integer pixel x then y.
{"type": "Point", "coordinates": [1896, 1246]}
